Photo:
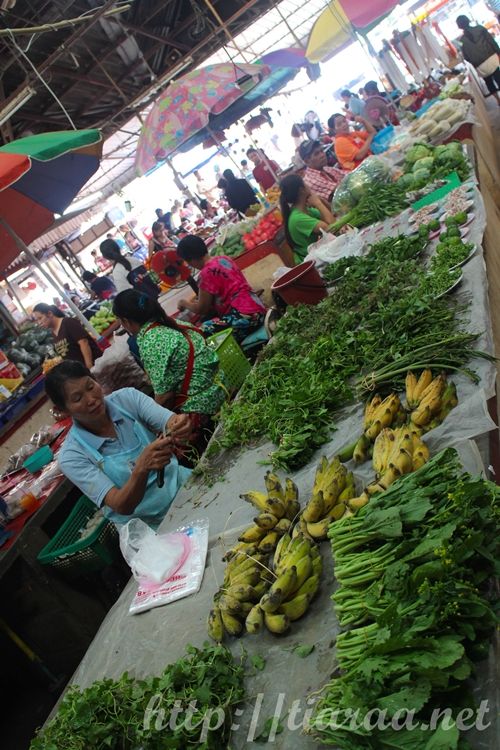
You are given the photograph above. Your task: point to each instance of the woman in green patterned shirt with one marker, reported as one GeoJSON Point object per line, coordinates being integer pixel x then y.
{"type": "Point", "coordinates": [183, 370]}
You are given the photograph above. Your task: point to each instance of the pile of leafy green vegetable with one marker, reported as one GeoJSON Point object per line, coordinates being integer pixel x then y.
{"type": "Point", "coordinates": [376, 316]}
{"type": "Point", "coordinates": [113, 713]}
{"type": "Point", "coordinates": [413, 567]}
{"type": "Point", "coordinates": [377, 203]}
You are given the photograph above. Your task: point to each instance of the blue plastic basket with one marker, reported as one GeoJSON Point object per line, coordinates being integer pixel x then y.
{"type": "Point", "coordinates": [382, 140]}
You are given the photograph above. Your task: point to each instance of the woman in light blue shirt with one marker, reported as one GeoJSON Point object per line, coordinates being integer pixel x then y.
{"type": "Point", "coordinates": [354, 106]}
{"type": "Point", "coordinates": [112, 452]}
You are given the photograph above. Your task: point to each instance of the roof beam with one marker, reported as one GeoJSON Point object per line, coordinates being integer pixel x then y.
{"type": "Point", "coordinates": [167, 40]}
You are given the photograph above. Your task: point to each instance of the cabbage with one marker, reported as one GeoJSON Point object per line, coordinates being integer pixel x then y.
{"type": "Point", "coordinates": [405, 182]}
{"type": "Point", "coordinates": [422, 176]}
{"type": "Point", "coordinates": [425, 163]}
{"type": "Point", "coordinates": [416, 152]}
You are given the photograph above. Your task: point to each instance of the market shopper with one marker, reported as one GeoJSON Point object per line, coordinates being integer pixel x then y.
{"type": "Point", "coordinates": [71, 340]}
{"type": "Point", "coordinates": [128, 273]}
{"type": "Point", "coordinates": [481, 50]}
{"type": "Point", "coordinates": [182, 368]}
{"type": "Point", "coordinates": [321, 179]}
{"type": "Point", "coordinates": [112, 452]}
{"type": "Point", "coordinates": [239, 193]}
{"type": "Point", "coordinates": [379, 112]}
{"type": "Point", "coordinates": [101, 286]}
{"type": "Point", "coordinates": [354, 106]}
{"type": "Point", "coordinates": [225, 299]}
{"type": "Point", "coordinates": [263, 169]}
{"type": "Point", "coordinates": [304, 215]}
{"type": "Point", "coordinates": [164, 218]}
{"type": "Point", "coordinates": [160, 239]}
{"type": "Point", "coordinates": [351, 146]}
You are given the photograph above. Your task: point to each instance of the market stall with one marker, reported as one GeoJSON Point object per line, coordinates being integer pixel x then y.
{"type": "Point", "coordinates": [413, 304]}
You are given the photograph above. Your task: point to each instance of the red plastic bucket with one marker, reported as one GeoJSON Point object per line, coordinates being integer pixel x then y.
{"type": "Point", "coordinates": [301, 285]}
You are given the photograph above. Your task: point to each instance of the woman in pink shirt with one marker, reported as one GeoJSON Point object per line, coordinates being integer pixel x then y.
{"type": "Point", "coordinates": [224, 294]}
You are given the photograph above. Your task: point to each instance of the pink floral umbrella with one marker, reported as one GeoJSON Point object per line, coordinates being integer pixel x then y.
{"type": "Point", "coordinates": [184, 107]}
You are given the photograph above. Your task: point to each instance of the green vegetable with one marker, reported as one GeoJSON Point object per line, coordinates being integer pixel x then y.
{"type": "Point", "coordinates": [413, 567]}
{"type": "Point", "coordinates": [303, 651]}
{"type": "Point", "coordinates": [113, 713]}
{"type": "Point", "coordinates": [425, 163]}
{"type": "Point", "coordinates": [416, 152]}
{"type": "Point", "coordinates": [258, 662]}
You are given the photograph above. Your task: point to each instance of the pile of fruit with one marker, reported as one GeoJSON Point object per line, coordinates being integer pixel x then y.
{"type": "Point", "coordinates": [333, 491]}
{"type": "Point", "coordinates": [273, 194]}
{"type": "Point", "coordinates": [264, 231]}
{"type": "Point", "coordinates": [272, 573]}
{"type": "Point", "coordinates": [103, 318]}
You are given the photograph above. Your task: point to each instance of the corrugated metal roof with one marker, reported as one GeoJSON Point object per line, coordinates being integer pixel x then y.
{"type": "Point", "coordinates": [62, 228]}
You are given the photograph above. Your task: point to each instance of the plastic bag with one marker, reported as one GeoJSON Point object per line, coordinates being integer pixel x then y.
{"type": "Point", "coordinates": [329, 249]}
{"type": "Point", "coordinates": [186, 580]}
{"type": "Point", "coordinates": [117, 368]}
{"type": "Point", "coordinates": [373, 170]}
{"type": "Point", "coordinates": [152, 557]}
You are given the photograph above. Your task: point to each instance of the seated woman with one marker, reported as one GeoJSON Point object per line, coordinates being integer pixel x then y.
{"type": "Point", "coordinates": [351, 146]}
{"type": "Point", "coordinates": [160, 239]}
{"type": "Point", "coordinates": [223, 291]}
{"type": "Point", "coordinates": [183, 370]}
{"type": "Point", "coordinates": [101, 286]}
{"type": "Point", "coordinates": [71, 340]}
{"type": "Point", "coordinates": [304, 215]}
{"type": "Point", "coordinates": [112, 452]}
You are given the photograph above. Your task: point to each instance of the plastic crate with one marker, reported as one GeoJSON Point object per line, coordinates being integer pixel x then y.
{"type": "Point", "coordinates": [73, 556]}
{"type": "Point", "coordinates": [233, 362]}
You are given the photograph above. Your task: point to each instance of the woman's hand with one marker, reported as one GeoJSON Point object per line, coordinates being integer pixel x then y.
{"type": "Point", "coordinates": [180, 427]}
{"type": "Point", "coordinates": [155, 456]}
{"type": "Point", "coordinates": [315, 201]}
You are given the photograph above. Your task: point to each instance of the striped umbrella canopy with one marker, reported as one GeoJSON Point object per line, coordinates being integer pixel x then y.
{"type": "Point", "coordinates": [185, 106]}
{"type": "Point", "coordinates": [40, 175]}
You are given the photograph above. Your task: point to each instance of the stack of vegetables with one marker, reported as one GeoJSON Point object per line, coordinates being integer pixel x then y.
{"type": "Point", "coordinates": [413, 567]}
{"type": "Point", "coordinates": [230, 240]}
{"type": "Point", "coordinates": [265, 231]}
{"type": "Point", "coordinates": [424, 163]}
{"type": "Point", "coordinates": [103, 318]}
{"type": "Point", "coordinates": [30, 349]}
{"type": "Point", "coordinates": [374, 327]}
{"type": "Point", "coordinates": [441, 119]}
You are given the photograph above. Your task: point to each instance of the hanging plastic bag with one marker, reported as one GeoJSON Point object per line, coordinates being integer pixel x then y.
{"type": "Point", "coordinates": [166, 566]}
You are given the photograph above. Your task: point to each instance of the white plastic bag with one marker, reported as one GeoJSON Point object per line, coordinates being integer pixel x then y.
{"type": "Point", "coordinates": [329, 248]}
{"type": "Point", "coordinates": [152, 557]}
{"type": "Point", "coordinates": [185, 579]}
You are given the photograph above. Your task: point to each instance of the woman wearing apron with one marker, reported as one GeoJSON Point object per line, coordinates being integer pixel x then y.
{"type": "Point", "coordinates": [112, 452]}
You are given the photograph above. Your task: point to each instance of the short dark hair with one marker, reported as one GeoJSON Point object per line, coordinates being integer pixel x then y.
{"type": "Point", "coordinates": [346, 92]}
{"type": "Point", "coordinates": [371, 87]}
{"type": "Point", "coordinates": [307, 147]}
{"type": "Point", "coordinates": [191, 248]}
{"type": "Point", "coordinates": [203, 204]}
{"type": "Point", "coordinates": [252, 150]}
{"type": "Point", "coordinates": [228, 175]}
{"type": "Point", "coordinates": [244, 162]}
{"type": "Point", "coordinates": [463, 22]}
{"type": "Point", "coordinates": [58, 376]}
{"type": "Point", "coordinates": [88, 276]}
{"type": "Point", "coordinates": [332, 118]}
{"type": "Point", "coordinates": [159, 211]}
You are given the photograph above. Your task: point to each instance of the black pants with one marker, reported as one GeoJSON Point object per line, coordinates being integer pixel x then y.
{"type": "Point", "coordinates": [493, 81]}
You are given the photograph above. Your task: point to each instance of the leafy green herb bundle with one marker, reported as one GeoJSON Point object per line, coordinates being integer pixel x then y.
{"type": "Point", "coordinates": [113, 713]}
{"type": "Point", "coordinates": [376, 318]}
{"type": "Point", "coordinates": [413, 567]}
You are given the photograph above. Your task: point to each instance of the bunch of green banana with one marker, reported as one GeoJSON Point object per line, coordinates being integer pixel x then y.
{"type": "Point", "coordinates": [333, 487]}
{"type": "Point", "coordinates": [246, 580]}
{"type": "Point", "coordinates": [298, 566]}
{"type": "Point", "coordinates": [396, 452]}
{"type": "Point", "coordinates": [429, 399]}
{"type": "Point", "coordinates": [379, 413]}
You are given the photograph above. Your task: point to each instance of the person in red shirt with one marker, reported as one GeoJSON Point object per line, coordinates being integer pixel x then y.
{"type": "Point", "coordinates": [264, 168]}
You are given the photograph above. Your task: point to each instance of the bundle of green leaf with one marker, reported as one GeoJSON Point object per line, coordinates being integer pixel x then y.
{"type": "Point", "coordinates": [424, 163]}
{"type": "Point", "coordinates": [377, 203]}
{"type": "Point", "coordinates": [371, 172]}
{"type": "Point", "coordinates": [375, 317]}
{"type": "Point", "coordinates": [114, 714]}
{"type": "Point", "coordinates": [413, 566]}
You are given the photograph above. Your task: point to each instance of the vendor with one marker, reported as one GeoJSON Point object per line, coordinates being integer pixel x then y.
{"type": "Point", "coordinates": [265, 171]}
{"type": "Point", "coordinates": [304, 215]}
{"type": "Point", "coordinates": [71, 340]}
{"type": "Point", "coordinates": [159, 239]}
{"type": "Point", "coordinates": [351, 146]}
{"type": "Point", "coordinates": [101, 286]}
{"type": "Point", "coordinates": [182, 368]}
{"type": "Point", "coordinates": [321, 179]}
{"type": "Point", "coordinates": [224, 292]}
{"type": "Point", "coordinates": [112, 453]}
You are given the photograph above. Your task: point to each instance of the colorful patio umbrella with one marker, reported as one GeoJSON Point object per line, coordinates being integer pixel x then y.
{"type": "Point", "coordinates": [335, 26]}
{"type": "Point", "coordinates": [185, 106]}
{"type": "Point", "coordinates": [288, 57]}
{"type": "Point", "coordinates": [40, 175]}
